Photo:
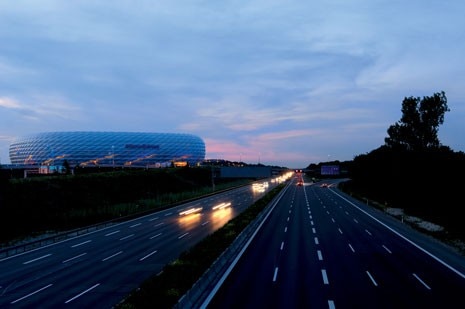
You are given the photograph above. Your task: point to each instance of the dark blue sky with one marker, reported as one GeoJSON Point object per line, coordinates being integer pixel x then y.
{"type": "Point", "coordinates": [284, 82]}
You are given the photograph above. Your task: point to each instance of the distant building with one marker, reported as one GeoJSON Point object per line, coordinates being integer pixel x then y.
{"type": "Point", "coordinates": [246, 172]}
{"type": "Point", "coordinates": [107, 149]}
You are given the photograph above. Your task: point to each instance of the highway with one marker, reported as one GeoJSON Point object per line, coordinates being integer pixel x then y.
{"type": "Point", "coordinates": [319, 248]}
{"type": "Point", "coordinates": [98, 269]}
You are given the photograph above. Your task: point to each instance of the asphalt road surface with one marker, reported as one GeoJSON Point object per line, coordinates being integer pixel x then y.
{"type": "Point", "coordinates": [98, 269]}
{"type": "Point", "coordinates": [319, 248]}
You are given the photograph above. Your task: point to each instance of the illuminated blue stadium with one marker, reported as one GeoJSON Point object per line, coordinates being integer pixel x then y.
{"type": "Point", "coordinates": [107, 148]}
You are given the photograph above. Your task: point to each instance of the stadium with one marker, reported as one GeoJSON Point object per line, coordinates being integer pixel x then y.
{"type": "Point", "coordinates": [137, 149]}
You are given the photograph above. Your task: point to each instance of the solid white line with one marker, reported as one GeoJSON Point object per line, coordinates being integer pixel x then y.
{"type": "Point", "coordinates": [30, 294]}
{"type": "Point", "coordinates": [151, 253]}
{"type": "Point", "coordinates": [275, 274]}
{"type": "Point", "coordinates": [320, 256]}
{"type": "Point", "coordinates": [422, 282]}
{"type": "Point", "coordinates": [185, 234]}
{"type": "Point", "coordinates": [112, 233]}
{"type": "Point", "coordinates": [73, 258]}
{"type": "Point", "coordinates": [155, 236]}
{"type": "Point", "coordinates": [39, 258]}
{"type": "Point", "coordinates": [112, 256]}
{"type": "Point", "coordinates": [233, 264]}
{"type": "Point", "coordinates": [325, 276]}
{"type": "Point", "coordinates": [82, 293]}
{"type": "Point", "coordinates": [372, 279]}
{"type": "Point", "coordinates": [403, 237]}
{"type": "Point", "coordinates": [80, 244]}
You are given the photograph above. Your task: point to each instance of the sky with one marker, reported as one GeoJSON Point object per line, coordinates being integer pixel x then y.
{"type": "Point", "coordinates": [285, 83]}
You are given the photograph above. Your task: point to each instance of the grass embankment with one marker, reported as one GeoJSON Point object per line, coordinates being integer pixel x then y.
{"type": "Point", "coordinates": [165, 289]}
{"type": "Point", "coordinates": [36, 206]}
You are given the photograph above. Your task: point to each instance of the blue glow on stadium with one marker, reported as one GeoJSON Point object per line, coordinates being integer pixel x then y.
{"type": "Point", "coordinates": [107, 149]}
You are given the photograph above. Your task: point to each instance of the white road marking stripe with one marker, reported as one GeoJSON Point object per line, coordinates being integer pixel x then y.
{"type": "Point", "coordinates": [126, 237]}
{"type": "Point", "coordinates": [331, 304]}
{"type": "Point", "coordinates": [325, 276]}
{"type": "Point", "coordinates": [372, 279]}
{"type": "Point", "coordinates": [39, 258]}
{"type": "Point", "coordinates": [82, 293]}
{"type": "Point", "coordinates": [387, 249]}
{"type": "Point", "coordinates": [134, 225]}
{"type": "Point", "coordinates": [422, 282]}
{"type": "Point", "coordinates": [112, 256]}
{"type": "Point", "coordinates": [320, 256]}
{"type": "Point", "coordinates": [351, 248]}
{"type": "Point", "coordinates": [30, 294]}
{"type": "Point", "coordinates": [151, 253]}
{"type": "Point", "coordinates": [80, 244]}
{"type": "Point", "coordinates": [155, 236]}
{"type": "Point", "coordinates": [282, 245]}
{"type": "Point", "coordinates": [316, 241]}
{"type": "Point", "coordinates": [183, 235]}
{"type": "Point", "coordinates": [275, 274]}
{"type": "Point", "coordinates": [112, 233]}
{"type": "Point", "coordinates": [73, 258]}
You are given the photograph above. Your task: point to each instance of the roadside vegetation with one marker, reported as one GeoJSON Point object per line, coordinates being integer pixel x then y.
{"type": "Point", "coordinates": [165, 289]}
{"type": "Point", "coordinates": [413, 172]}
{"type": "Point", "coordinates": [45, 205]}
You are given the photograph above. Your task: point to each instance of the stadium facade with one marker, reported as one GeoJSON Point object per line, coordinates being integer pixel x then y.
{"type": "Point", "coordinates": [83, 148]}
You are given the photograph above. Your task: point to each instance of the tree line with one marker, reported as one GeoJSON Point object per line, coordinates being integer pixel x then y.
{"type": "Point", "coordinates": [412, 169]}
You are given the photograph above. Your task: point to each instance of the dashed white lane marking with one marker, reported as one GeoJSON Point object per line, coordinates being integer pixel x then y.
{"type": "Point", "coordinates": [275, 275]}
{"type": "Point", "coordinates": [372, 279]}
{"type": "Point", "coordinates": [30, 294]}
{"type": "Point", "coordinates": [151, 253]}
{"type": "Point", "coordinates": [80, 244]}
{"type": "Point", "coordinates": [39, 258]}
{"type": "Point", "coordinates": [325, 276]}
{"type": "Point", "coordinates": [422, 282]}
{"type": "Point", "coordinates": [82, 293]}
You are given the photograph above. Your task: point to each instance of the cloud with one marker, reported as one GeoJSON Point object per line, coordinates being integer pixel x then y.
{"type": "Point", "coordinates": [41, 108]}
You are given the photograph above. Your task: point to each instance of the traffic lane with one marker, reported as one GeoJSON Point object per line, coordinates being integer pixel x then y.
{"type": "Point", "coordinates": [299, 268]}
{"type": "Point", "coordinates": [390, 262]}
{"type": "Point", "coordinates": [260, 275]}
{"type": "Point", "coordinates": [425, 242]}
{"type": "Point", "coordinates": [346, 278]}
{"type": "Point", "coordinates": [108, 253]}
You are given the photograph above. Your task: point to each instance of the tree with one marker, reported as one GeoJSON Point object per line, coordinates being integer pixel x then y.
{"type": "Point", "coordinates": [418, 127]}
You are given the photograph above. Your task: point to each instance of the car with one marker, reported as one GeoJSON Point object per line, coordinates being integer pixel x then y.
{"type": "Point", "coordinates": [192, 210]}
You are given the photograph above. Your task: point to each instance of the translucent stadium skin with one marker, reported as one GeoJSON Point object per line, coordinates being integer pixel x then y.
{"type": "Point", "coordinates": [107, 148]}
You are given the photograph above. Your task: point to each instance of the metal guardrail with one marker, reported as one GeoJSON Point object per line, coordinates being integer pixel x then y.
{"type": "Point", "coordinates": [18, 249]}
{"type": "Point", "coordinates": [60, 236]}
{"type": "Point", "coordinates": [207, 282]}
